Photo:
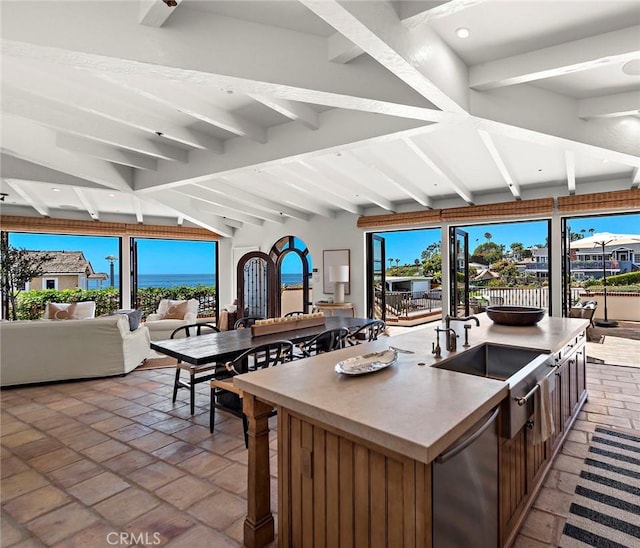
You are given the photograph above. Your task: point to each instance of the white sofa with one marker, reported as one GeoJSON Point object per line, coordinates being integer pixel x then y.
{"type": "Point", "coordinates": [48, 350]}
{"type": "Point", "coordinates": [160, 328]}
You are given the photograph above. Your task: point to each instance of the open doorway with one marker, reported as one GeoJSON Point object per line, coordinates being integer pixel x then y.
{"type": "Point", "coordinates": [404, 270]}
{"type": "Point", "coordinates": [507, 263]}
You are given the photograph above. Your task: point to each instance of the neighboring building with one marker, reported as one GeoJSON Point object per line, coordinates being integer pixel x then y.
{"type": "Point", "coordinates": [414, 284]}
{"type": "Point", "coordinates": [67, 270]}
{"type": "Point", "coordinates": [621, 254]}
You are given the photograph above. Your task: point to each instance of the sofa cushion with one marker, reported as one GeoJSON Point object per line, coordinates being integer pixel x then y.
{"type": "Point", "coordinates": [84, 310]}
{"type": "Point", "coordinates": [135, 317]}
{"type": "Point", "coordinates": [62, 311]}
{"type": "Point", "coordinates": [176, 310]}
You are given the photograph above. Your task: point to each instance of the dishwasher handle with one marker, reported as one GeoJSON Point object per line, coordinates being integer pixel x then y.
{"type": "Point", "coordinates": [444, 457]}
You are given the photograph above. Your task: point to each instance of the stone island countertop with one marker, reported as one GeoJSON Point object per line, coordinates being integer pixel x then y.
{"type": "Point", "coordinates": [415, 410]}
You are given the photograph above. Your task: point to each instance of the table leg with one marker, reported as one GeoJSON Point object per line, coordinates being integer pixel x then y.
{"type": "Point", "coordinates": [259, 525]}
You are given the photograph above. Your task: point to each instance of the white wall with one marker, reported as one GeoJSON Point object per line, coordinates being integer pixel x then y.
{"type": "Point", "coordinates": [319, 234]}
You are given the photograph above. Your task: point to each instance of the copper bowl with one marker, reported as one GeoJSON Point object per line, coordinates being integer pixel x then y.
{"type": "Point", "coordinates": [515, 315]}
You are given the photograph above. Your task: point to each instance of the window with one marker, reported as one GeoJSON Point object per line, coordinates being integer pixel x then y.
{"type": "Point", "coordinates": [50, 283]}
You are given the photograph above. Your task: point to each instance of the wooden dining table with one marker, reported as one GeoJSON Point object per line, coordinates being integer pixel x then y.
{"type": "Point", "coordinates": [226, 345]}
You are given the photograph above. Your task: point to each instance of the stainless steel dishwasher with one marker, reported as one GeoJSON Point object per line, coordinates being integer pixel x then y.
{"type": "Point", "coordinates": [465, 489]}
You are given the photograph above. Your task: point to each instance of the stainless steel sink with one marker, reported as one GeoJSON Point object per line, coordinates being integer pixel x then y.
{"type": "Point", "coordinates": [522, 368]}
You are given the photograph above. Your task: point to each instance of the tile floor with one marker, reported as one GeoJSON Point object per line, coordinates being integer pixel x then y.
{"type": "Point", "coordinates": [85, 462]}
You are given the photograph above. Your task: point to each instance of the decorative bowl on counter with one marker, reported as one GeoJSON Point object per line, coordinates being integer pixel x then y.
{"type": "Point", "coordinates": [515, 315]}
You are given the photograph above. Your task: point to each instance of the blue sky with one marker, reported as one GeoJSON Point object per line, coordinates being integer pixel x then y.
{"type": "Point", "coordinates": [181, 257]}
{"type": "Point", "coordinates": [154, 256]}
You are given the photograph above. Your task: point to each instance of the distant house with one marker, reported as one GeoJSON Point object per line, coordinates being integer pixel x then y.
{"type": "Point", "coordinates": [412, 284]}
{"type": "Point", "coordinates": [67, 270]}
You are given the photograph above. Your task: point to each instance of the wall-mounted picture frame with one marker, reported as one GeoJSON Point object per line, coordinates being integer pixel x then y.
{"type": "Point", "coordinates": [335, 257]}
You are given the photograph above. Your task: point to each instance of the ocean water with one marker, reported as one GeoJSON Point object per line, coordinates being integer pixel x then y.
{"type": "Point", "coordinates": [190, 280]}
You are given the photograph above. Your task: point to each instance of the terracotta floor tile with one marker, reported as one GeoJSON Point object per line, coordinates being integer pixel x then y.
{"type": "Point", "coordinates": [132, 410]}
{"type": "Point", "coordinates": [106, 450]}
{"type": "Point", "coordinates": [204, 464]}
{"type": "Point", "coordinates": [151, 442]}
{"type": "Point", "coordinates": [12, 427]}
{"type": "Point", "coordinates": [131, 432]}
{"type": "Point", "coordinates": [112, 423]}
{"type": "Point", "coordinates": [185, 491]}
{"type": "Point", "coordinates": [55, 459]}
{"type": "Point", "coordinates": [152, 417]}
{"type": "Point", "coordinates": [528, 542]}
{"type": "Point", "coordinates": [219, 510]}
{"type": "Point", "coordinates": [203, 536]}
{"type": "Point", "coordinates": [37, 448]}
{"type": "Point", "coordinates": [194, 434]}
{"type": "Point", "coordinates": [221, 444]}
{"type": "Point", "coordinates": [541, 526]}
{"type": "Point", "coordinates": [98, 488]}
{"type": "Point", "coordinates": [127, 505]}
{"type": "Point", "coordinates": [68, 429]}
{"type": "Point", "coordinates": [176, 452]}
{"type": "Point", "coordinates": [98, 535]}
{"type": "Point", "coordinates": [35, 503]}
{"type": "Point", "coordinates": [233, 478]}
{"type": "Point", "coordinates": [21, 438]}
{"type": "Point", "coordinates": [164, 520]}
{"type": "Point", "coordinates": [155, 475]}
{"type": "Point", "coordinates": [94, 416]}
{"type": "Point", "coordinates": [171, 425]}
{"type": "Point", "coordinates": [21, 483]}
{"type": "Point", "coordinates": [76, 472]}
{"type": "Point", "coordinates": [553, 502]}
{"type": "Point", "coordinates": [128, 462]}
{"type": "Point", "coordinates": [62, 523]}
{"type": "Point", "coordinates": [86, 439]}
{"type": "Point", "coordinates": [10, 532]}
{"type": "Point", "coordinates": [12, 465]}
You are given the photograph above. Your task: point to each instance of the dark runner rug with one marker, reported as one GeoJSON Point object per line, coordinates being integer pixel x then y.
{"type": "Point", "coordinates": [605, 510]}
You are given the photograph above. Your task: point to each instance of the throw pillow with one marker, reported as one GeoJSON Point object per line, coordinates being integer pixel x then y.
{"type": "Point", "coordinates": [176, 311]}
{"type": "Point", "coordinates": [135, 317]}
{"type": "Point", "coordinates": [59, 311]}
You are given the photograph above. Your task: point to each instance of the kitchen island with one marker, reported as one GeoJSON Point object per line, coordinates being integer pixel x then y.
{"type": "Point", "coordinates": [356, 453]}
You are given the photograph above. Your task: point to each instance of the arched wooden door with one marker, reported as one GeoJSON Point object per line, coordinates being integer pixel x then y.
{"type": "Point", "coordinates": [279, 250]}
{"type": "Point", "coordinates": [258, 293]}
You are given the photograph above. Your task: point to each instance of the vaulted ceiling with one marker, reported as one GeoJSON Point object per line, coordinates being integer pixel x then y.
{"type": "Point", "coordinates": [222, 114]}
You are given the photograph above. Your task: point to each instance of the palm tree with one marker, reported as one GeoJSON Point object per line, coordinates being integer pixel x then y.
{"type": "Point", "coordinates": [488, 236]}
{"type": "Point", "coordinates": [397, 263]}
{"type": "Point", "coordinates": [390, 262]}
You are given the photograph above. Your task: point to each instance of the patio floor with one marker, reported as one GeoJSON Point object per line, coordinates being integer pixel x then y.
{"type": "Point", "coordinates": [84, 461]}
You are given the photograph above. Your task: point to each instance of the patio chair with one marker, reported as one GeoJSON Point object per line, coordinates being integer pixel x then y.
{"type": "Point", "coordinates": [584, 309]}
{"type": "Point", "coordinates": [197, 373]}
{"type": "Point", "coordinates": [226, 396]}
{"type": "Point", "coordinates": [327, 341]}
{"type": "Point", "coordinates": [370, 331]}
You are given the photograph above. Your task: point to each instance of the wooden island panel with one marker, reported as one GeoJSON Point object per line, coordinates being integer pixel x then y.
{"type": "Point", "coordinates": [337, 490]}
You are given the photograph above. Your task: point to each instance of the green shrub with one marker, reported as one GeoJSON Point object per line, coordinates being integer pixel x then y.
{"type": "Point", "coordinates": [627, 278]}
{"type": "Point", "coordinates": [31, 304]}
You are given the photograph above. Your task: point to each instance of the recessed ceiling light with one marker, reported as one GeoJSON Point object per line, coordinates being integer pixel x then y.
{"type": "Point", "coordinates": [56, 189]}
{"type": "Point", "coordinates": [632, 68]}
{"type": "Point", "coordinates": [463, 32]}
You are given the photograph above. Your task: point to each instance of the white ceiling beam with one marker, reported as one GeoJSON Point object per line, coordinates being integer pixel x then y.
{"type": "Point", "coordinates": [570, 164]}
{"type": "Point", "coordinates": [177, 97]}
{"type": "Point", "coordinates": [105, 152]}
{"type": "Point", "coordinates": [435, 72]}
{"type": "Point", "coordinates": [29, 141]}
{"type": "Point", "coordinates": [291, 109]}
{"type": "Point", "coordinates": [180, 220]}
{"type": "Point", "coordinates": [235, 208]}
{"type": "Point", "coordinates": [33, 201]}
{"type": "Point", "coordinates": [441, 170]}
{"type": "Point", "coordinates": [228, 214]}
{"type": "Point", "coordinates": [137, 206]}
{"type": "Point", "coordinates": [295, 196]}
{"type": "Point", "coordinates": [86, 95]}
{"type": "Point", "coordinates": [53, 115]}
{"type": "Point", "coordinates": [20, 169]}
{"type": "Point", "coordinates": [229, 187]}
{"type": "Point", "coordinates": [182, 206]}
{"type": "Point", "coordinates": [86, 203]}
{"type": "Point", "coordinates": [342, 50]}
{"type": "Point", "coordinates": [490, 145]}
{"type": "Point", "coordinates": [413, 14]}
{"type": "Point", "coordinates": [295, 174]}
{"type": "Point", "coordinates": [635, 181]}
{"type": "Point", "coordinates": [154, 13]}
{"type": "Point", "coordinates": [596, 51]}
{"type": "Point", "coordinates": [342, 174]}
{"type": "Point", "coordinates": [620, 104]}
{"type": "Point", "coordinates": [382, 167]}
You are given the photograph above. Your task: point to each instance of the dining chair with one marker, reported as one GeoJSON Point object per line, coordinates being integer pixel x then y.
{"type": "Point", "coordinates": [294, 313]}
{"type": "Point", "coordinates": [195, 372]}
{"type": "Point", "coordinates": [327, 341]}
{"type": "Point", "coordinates": [246, 321]}
{"type": "Point", "coordinates": [370, 331]}
{"type": "Point", "coordinates": [226, 396]}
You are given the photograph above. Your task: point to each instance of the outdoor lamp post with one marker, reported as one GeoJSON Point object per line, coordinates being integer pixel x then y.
{"type": "Point", "coordinates": [606, 322]}
{"type": "Point", "coordinates": [112, 259]}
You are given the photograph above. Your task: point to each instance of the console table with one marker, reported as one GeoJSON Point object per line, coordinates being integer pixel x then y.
{"type": "Point", "coordinates": [334, 309]}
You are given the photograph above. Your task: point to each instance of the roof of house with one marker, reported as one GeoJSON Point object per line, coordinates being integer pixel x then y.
{"type": "Point", "coordinates": [66, 262]}
{"type": "Point", "coordinates": [611, 241]}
